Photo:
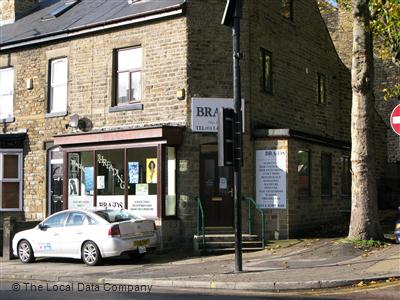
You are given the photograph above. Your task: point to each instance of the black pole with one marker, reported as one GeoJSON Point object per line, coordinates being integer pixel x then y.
{"type": "Point", "coordinates": [237, 141]}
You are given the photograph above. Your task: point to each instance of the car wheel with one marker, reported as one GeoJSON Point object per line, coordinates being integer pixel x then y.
{"type": "Point", "coordinates": [25, 252]}
{"type": "Point", "coordinates": [91, 254]}
{"type": "Point", "coordinates": [135, 256]}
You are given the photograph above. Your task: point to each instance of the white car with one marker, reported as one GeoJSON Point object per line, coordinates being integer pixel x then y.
{"type": "Point", "coordinates": [90, 235]}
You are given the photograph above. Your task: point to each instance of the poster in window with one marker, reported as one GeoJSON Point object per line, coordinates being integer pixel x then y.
{"type": "Point", "coordinates": [101, 182]}
{"type": "Point", "coordinates": [73, 186]}
{"type": "Point", "coordinates": [142, 189]}
{"type": "Point", "coordinates": [133, 172]}
{"type": "Point", "coordinates": [74, 165]}
{"type": "Point", "coordinates": [151, 170]}
{"type": "Point", "coordinates": [89, 180]}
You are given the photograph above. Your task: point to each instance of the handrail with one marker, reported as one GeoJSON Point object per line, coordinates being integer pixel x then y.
{"type": "Point", "coordinates": [200, 211]}
{"type": "Point", "coordinates": [254, 203]}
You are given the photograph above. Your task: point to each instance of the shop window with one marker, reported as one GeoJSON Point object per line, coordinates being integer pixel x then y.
{"type": "Point", "coordinates": [6, 92]}
{"type": "Point", "coordinates": [266, 70]}
{"type": "Point", "coordinates": [80, 180]}
{"type": "Point", "coordinates": [303, 169]}
{"type": "Point", "coordinates": [321, 89]}
{"type": "Point", "coordinates": [110, 178]}
{"type": "Point", "coordinates": [143, 181]}
{"type": "Point", "coordinates": [287, 9]}
{"type": "Point", "coordinates": [346, 176]}
{"type": "Point", "coordinates": [11, 180]}
{"type": "Point", "coordinates": [128, 75]}
{"type": "Point", "coordinates": [326, 174]}
{"type": "Point", "coordinates": [170, 194]}
{"type": "Point", "coordinates": [58, 86]}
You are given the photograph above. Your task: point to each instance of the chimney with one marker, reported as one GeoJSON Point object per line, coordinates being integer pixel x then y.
{"type": "Point", "coordinates": [11, 10]}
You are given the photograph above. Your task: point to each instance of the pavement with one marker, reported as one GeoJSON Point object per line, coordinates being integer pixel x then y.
{"type": "Point", "coordinates": [283, 265]}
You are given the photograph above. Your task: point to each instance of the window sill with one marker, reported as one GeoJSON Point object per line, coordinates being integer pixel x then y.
{"type": "Point", "coordinates": [135, 106]}
{"type": "Point", "coordinates": [7, 120]}
{"type": "Point", "coordinates": [56, 114]}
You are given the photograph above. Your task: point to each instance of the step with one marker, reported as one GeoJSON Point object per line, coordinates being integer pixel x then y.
{"type": "Point", "coordinates": [215, 245]}
{"type": "Point", "coordinates": [228, 250]}
{"type": "Point", "coordinates": [225, 237]}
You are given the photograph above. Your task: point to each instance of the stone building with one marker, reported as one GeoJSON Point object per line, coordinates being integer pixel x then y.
{"type": "Point", "coordinates": [338, 21]}
{"type": "Point", "coordinates": [113, 103]}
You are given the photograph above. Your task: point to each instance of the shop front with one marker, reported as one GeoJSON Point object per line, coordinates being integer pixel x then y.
{"type": "Point", "coordinates": [131, 169]}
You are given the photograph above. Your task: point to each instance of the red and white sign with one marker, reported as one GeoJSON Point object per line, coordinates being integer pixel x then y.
{"type": "Point", "coordinates": [395, 119]}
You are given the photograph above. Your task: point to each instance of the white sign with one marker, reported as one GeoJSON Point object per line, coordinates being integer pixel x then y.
{"type": "Point", "coordinates": [117, 201]}
{"type": "Point", "coordinates": [80, 202]}
{"type": "Point", "coordinates": [145, 206]}
{"type": "Point", "coordinates": [271, 168]}
{"type": "Point", "coordinates": [205, 113]}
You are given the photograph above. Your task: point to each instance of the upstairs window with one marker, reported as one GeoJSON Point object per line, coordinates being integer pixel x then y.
{"type": "Point", "coordinates": [321, 89]}
{"type": "Point", "coordinates": [266, 69]}
{"type": "Point", "coordinates": [6, 92]}
{"type": "Point", "coordinates": [58, 88]}
{"type": "Point", "coordinates": [128, 75]}
{"type": "Point", "coordinates": [287, 9]}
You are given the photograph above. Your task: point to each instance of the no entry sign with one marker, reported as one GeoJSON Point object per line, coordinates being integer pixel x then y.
{"type": "Point", "coordinates": [395, 119]}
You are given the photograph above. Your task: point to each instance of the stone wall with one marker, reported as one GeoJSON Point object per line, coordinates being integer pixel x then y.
{"type": "Point", "coordinates": [12, 9]}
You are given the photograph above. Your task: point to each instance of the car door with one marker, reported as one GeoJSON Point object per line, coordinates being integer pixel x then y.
{"type": "Point", "coordinates": [74, 233]}
{"type": "Point", "coordinates": [46, 240]}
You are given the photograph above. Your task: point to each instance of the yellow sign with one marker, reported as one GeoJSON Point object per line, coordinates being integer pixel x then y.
{"type": "Point", "coordinates": [151, 170]}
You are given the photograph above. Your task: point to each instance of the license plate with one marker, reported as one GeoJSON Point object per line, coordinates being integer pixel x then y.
{"type": "Point", "coordinates": [141, 243]}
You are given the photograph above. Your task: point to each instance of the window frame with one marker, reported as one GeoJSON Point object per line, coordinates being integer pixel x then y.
{"type": "Point", "coordinates": [308, 193]}
{"type": "Point", "coordinates": [11, 94]}
{"type": "Point", "coordinates": [266, 86]}
{"type": "Point", "coordinates": [50, 102]}
{"type": "Point", "coordinates": [322, 93]}
{"type": "Point", "coordinates": [326, 155]}
{"type": "Point", "coordinates": [19, 153]}
{"type": "Point", "coordinates": [116, 73]}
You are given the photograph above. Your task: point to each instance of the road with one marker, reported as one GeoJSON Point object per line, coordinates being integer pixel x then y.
{"type": "Point", "coordinates": [66, 291]}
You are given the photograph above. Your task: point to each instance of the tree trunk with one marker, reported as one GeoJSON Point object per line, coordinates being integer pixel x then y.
{"type": "Point", "coordinates": [364, 223]}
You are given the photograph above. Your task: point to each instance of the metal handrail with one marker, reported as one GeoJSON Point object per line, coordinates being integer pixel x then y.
{"type": "Point", "coordinates": [200, 211]}
{"type": "Point", "coordinates": [250, 202]}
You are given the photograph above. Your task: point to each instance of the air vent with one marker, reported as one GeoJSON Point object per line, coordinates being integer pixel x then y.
{"type": "Point", "coordinates": [58, 11]}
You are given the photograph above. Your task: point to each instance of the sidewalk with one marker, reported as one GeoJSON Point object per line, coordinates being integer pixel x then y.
{"type": "Point", "coordinates": [284, 265]}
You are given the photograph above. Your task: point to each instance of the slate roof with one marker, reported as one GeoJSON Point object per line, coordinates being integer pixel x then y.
{"type": "Point", "coordinates": [84, 14]}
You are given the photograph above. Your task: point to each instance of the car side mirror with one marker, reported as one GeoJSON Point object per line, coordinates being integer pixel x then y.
{"type": "Point", "coordinates": [43, 227]}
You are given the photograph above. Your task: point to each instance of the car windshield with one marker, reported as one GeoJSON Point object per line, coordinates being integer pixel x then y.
{"type": "Point", "coordinates": [113, 216]}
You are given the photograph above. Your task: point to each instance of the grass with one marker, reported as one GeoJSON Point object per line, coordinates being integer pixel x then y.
{"type": "Point", "coordinates": [363, 244]}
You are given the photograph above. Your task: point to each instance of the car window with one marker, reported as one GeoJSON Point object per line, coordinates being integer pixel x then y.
{"type": "Point", "coordinates": [56, 221]}
{"type": "Point", "coordinates": [91, 221]}
{"type": "Point", "coordinates": [113, 216]}
{"type": "Point", "coordinates": [76, 219]}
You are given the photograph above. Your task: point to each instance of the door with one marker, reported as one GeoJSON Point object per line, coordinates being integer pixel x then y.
{"type": "Point", "coordinates": [55, 179]}
{"type": "Point", "coordinates": [215, 189]}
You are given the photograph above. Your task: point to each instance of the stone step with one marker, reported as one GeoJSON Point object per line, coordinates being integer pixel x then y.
{"type": "Point", "coordinates": [225, 237]}
{"type": "Point", "coordinates": [227, 245]}
{"type": "Point", "coordinates": [209, 251]}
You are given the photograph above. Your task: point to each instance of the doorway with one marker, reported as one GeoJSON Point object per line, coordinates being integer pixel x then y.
{"type": "Point", "coordinates": [55, 181]}
{"type": "Point", "coordinates": [215, 189]}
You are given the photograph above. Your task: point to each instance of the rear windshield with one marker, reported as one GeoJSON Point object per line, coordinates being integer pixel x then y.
{"type": "Point", "coordinates": [113, 216]}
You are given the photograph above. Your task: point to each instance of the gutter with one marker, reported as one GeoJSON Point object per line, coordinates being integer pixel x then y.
{"type": "Point", "coordinates": [95, 27]}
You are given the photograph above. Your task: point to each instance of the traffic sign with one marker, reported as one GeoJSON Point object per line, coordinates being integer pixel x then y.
{"type": "Point", "coordinates": [395, 119]}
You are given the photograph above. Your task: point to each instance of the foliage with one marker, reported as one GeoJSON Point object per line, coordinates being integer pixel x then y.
{"type": "Point", "coordinates": [363, 244]}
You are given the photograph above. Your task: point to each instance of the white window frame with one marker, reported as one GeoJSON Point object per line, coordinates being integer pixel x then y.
{"type": "Point", "coordinates": [4, 95]}
{"type": "Point", "coordinates": [52, 85]}
{"type": "Point", "coordinates": [130, 71]}
{"type": "Point", "coordinates": [19, 153]}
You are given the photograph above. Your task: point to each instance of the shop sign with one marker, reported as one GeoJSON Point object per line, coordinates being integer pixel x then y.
{"type": "Point", "coordinates": [271, 170]}
{"type": "Point", "coordinates": [80, 202]}
{"type": "Point", "coordinates": [205, 113]}
{"type": "Point", "coordinates": [143, 205]}
{"type": "Point", "coordinates": [115, 201]}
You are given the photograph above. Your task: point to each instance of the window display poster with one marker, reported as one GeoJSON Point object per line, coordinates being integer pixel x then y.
{"type": "Point", "coordinates": [73, 186]}
{"type": "Point", "coordinates": [101, 182]}
{"type": "Point", "coordinates": [151, 170]}
{"type": "Point", "coordinates": [133, 172]}
{"type": "Point", "coordinates": [144, 206]}
{"type": "Point", "coordinates": [89, 180]}
{"type": "Point", "coordinates": [142, 189]}
{"type": "Point", "coordinates": [115, 201]}
{"type": "Point", "coordinates": [271, 168]}
{"type": "Point", "coordinates": [80, 202]}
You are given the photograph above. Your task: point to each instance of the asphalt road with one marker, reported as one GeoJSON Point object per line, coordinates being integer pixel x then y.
{"type": "Point", "coordinates": [42, 290]}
